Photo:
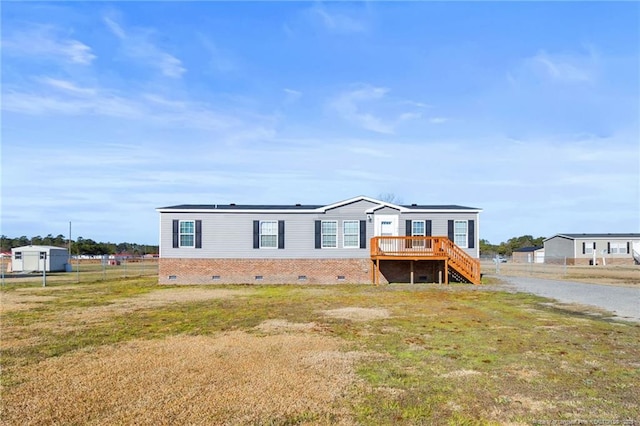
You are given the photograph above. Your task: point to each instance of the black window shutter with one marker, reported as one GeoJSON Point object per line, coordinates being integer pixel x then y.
{"type": "Point", "coordinates": [584, 248]}
{"type": "Point", "coordinates": [256, 234]}
{"type": "Point", "coordinates": [427, 226]}
{"type": "Point", "coordinates": [471, 232]}
{"type": "Point", "coordinates": [608, 248]}
{"type": "Point", "coordinates": [363, 234]}
{"type": "Point", "coordinates": [198, 234]}
{"type": "Point", "coordinates": [281, 234]}
{"type": "Point", "coordinates": [408, 228]}
{"type": "Point", "coordinates": [318, 234]}
{"type": "Point", "coordinates": [450, 230]}
{"type": "Point", "coordinates": [628, 247]}
{"type": "Point", "coordinates": [175, 233]}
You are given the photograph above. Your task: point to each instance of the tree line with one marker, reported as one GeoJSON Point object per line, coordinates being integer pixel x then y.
{"type": "Point", "coordinates": [80, 246]}
{"type": "Point", "coordinates": [511, 245]}
{"type": "Point", "coordinates": [91, 247]}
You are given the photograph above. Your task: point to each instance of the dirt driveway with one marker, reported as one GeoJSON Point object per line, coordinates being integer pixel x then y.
{"type": "Point", "coordinates": [623, 302]}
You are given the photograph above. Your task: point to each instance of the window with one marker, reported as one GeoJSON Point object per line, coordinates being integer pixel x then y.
{"type": "Point", "coordinates": [329, 233]}
{"type": "Point", "coordinates": [18, 255]}
{"type": "Point", "coordinates": [417, 228]}
{"type": "Point", "coordinates": [460, 233]}
{"type": "Point", "coordinates": [589, 247]}
{"type": "Point", "coordinates": [269, 234]}
{"type": "Point", "coordinates": [187, 236]}
{"type": "Point", "coordinates": [351, 230]}
{"type": "Point", "coordinates": [618, 248]}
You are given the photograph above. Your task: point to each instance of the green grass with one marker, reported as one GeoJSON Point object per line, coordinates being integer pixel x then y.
{"type": "Point", "coordinates": [447, 355]}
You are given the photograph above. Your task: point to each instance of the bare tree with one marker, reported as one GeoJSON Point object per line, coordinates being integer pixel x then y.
{"type": "Point", "coordinates": [390, 197]}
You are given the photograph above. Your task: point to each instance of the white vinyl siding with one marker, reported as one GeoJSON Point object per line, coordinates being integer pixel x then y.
{"type": "Point", "coordinates": [351, 233]}
{"type": "Point", "coordinates": [187, 236]}
{"type": "Point", "coordinates": [460, 233]}
{"type": "Point", "coordinates": [329, 233]}
{"type": "Point", "coordinates": [269, 234]}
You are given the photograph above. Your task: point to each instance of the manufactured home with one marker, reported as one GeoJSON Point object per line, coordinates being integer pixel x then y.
{"type": "Point", "coordinates": [591, 249]}
{"type": "Point", "coordinates": [39, 258]}
{"type": "Point", "coordinates": [359, 240]}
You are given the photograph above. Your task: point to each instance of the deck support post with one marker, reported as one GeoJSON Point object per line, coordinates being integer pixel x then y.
{"type": "Point", "coordinates": [412, 262]}
{"type": "Point", "coordinates": [373, 271]}
{"type": "Point", "coordinates": [446, 271]}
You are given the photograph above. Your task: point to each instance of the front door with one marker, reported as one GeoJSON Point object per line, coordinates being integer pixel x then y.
{"type": "Point", "coordinates": [386, 226]}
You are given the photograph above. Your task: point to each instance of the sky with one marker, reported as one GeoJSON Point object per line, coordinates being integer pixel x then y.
{"type": "Point", "coordinates": [527, 110]}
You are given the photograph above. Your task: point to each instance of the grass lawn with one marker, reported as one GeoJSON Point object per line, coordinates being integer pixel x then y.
{"type": "Point", "coordinates": [129, 351]}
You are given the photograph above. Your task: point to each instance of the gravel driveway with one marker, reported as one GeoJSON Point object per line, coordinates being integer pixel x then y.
{"type": "Point", "coordinates": [623, 302]}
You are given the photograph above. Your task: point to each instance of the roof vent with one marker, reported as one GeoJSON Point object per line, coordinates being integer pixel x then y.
{"type": "Point", "coordinates": [298, 204]}
{"type": "Point", "coordinates": [232, 204]}
{"type": "Point", "coordinates": [414, 205]}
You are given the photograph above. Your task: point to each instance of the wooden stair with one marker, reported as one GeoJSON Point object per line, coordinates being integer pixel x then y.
{"type": "Point", "coordinates": [460, 266]}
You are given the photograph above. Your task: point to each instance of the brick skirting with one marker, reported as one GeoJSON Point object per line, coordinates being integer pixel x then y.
{"type": "Point", "coordinates": [292, 271]}
{"type": "Point", "coordinates": [264, 271]}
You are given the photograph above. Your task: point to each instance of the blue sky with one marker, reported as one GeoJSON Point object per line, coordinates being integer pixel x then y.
{"type": "Point", "coordinates": [528, 110]}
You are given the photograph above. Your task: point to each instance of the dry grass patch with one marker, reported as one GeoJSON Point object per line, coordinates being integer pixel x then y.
{"type": "Point", "coordinates": [283, 326]}
{"type": "Point", "coordinates": [358, 314]}
{"type": "Point", "coordinates": [160, 298]}
{"type": "Point", "coordinates": [233, 378]}
{"type": "Point", "coordinates": [18, 301]}
{"type": "Point", "coordinates": [461, 373]}
{"type": "Point", "coordinates": [153, 300]}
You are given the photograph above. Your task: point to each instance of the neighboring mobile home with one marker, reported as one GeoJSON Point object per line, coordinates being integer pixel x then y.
{"type": "Point", "coordinates": [360, 240]}
{"type": "Point", "coordinates": [590, 249]}
{"type": "Point", "coordinates": [39, 258]}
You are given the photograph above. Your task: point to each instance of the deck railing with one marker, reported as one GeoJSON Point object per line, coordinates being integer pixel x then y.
{"type": "Point", "coordinates": [427, 248]}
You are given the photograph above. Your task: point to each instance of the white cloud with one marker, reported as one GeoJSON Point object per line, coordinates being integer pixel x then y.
{"type": "Point", "coordinates": [67, 86]}
{"type": "Point", "coordinates": [556, 67]}
{"type": "Point", "coordinates": [362, 106]}
{"type": "Point", "coordinates": [115, 28]}
{"type": "Point", "coordinates": [562, 68]}
{"type": "Point", "coordinates": [337, 22]}
{"type": "Point", "coordinates": [291, 95]}
{"type": "Point", "coordinates": [142, 108]}
{"type": "Point", "coordinates": [219, 59]}
{"type": "Point", "coordinates": [137, 44]}
{"type": "Point", "coordinates": [45, 41]}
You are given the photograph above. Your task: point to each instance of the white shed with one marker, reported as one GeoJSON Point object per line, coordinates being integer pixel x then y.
{"type": "Point", "coordinates": [38, 258]}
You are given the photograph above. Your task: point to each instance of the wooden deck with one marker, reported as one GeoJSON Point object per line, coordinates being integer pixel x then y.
{"type": "Point", "coordinates": [456, 261]}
